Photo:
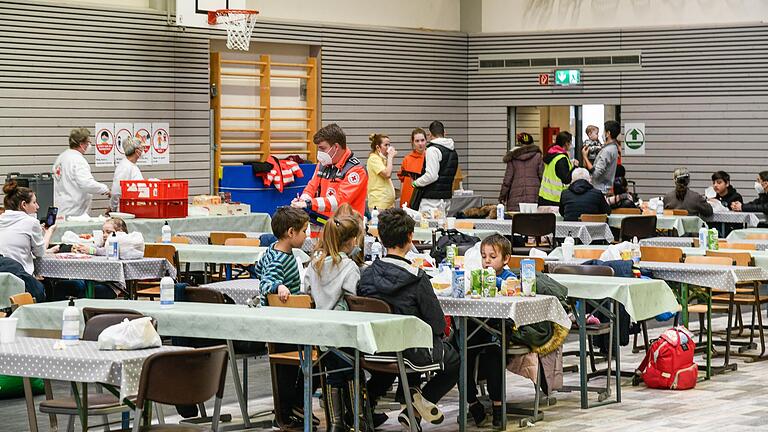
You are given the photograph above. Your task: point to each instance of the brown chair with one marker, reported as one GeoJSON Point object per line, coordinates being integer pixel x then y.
{"type": "Point", "coordinates": [514, 262]}
{"type": "Point", "coordinates": [167, 251]}
{"type": "Point", "coordinates": [21, 299]}
{"type": "Point", "coordinates": [594, 218]}
{"type": "Point", "coordinates": [661, 254]}
{"type": "Point", "coordinates": [383, 363]}
{"type": "Point", "coordinates": [637, 226]}
{"type": "Point", "coordinates": [587, 253]}
{"type": "Point", "coordinates": [463, 224]}
{"type": "Point", "coordinates": [757, 236]}
{"type": "Point", "coordinates": [675, 212]}
{"type": "Point", "coordinates": [586, 270]}
{"type": "Point", "coordinates": [239, 241]}
{"type": "Point", "coordinates": [627, 211]}
{"type": "Point", "coordinates": [535, 225]}
{"type": "Point", "coordinates": [742, 246]}
{"type": "Point", "coordinates": [176, 239]}
{"type": "Point", "coordinates": [185, 377]}
{"type": "Point", "coordinates": [220, 238]}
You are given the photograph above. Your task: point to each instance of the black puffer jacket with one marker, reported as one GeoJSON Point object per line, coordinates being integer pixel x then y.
{"type": "Point", "coordinates": [408, 291]}
{"type": "Point", "coordinates": [758, 205]}
{"type": "Point", "coordinates": [582, 198]}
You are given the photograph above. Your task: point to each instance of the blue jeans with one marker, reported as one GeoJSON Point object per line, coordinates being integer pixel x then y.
{"type": "Point", "coordinates": [77, 288]}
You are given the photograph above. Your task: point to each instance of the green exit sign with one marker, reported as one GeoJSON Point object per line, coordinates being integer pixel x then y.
{"type": "Point", "coordinates": [567, 77]}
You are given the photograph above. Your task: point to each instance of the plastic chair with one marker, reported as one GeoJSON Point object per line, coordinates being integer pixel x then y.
{"type": "Point", "coordinates": [627, 211]}
{"type": "Point", "coordinates": [462, 224]}
{"type": "Point", "coordinates": [220, 238]}
{"type": "Point", "coordinates": [177, 239]}
{"type": "Point", "coordinates": [586, 270]}
{"type": "Point", "coordinates": [514, 262]}
{"type": "Point", "coordinates": [535, 225]}
{"type": "Point", "coordinates": [167, 251]}
{"type": "Point", "coordinates": [661, 254]}
{"type": "Point", "coordinates": [242, 241]}
{"type": "Point", "coordinates": [21, 299]}
{"type": "Point", "coordinates": [637, 226]}
{"type": "Point", "coordinates": [757, 236]}
{"type": "Point", "coordinates": [742, 246]}
{"type": "Point", "coordinates": [676, 212]}
{"type": "Point", "coordinates": [187, 377]}
{"type": "Point", "coordinates": [588, 253]}
{"type": "Point", "coordinates": [593, 218]}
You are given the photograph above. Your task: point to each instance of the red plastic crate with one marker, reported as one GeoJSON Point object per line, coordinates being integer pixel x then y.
{"type": "Point", "coordinates": [155, 189]}
{"type": "Point", "coordinates": [155, 209]}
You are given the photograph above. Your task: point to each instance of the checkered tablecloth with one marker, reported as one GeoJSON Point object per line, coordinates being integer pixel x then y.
{"type": "Point", "coordinates": [667, 241]}
{"type": "Point", "coordinates": [748, 219]}
{"type": "Point", "coordinates": [586, 232]}
{"type": "Point", "coordinates": [705, 275]}
{"type": "Point", "coordinates": [521, 310]}
{"type": "Point", "coordinates": [97, 268]}
{"type": "Point", "coordinates": [203, 237]}
{"type": "Point", "coordinates": [35, 357]}
{"type": "Point", "coordinates": [239, 290]}
{"type": "Point", "coordinates": [682, 224]}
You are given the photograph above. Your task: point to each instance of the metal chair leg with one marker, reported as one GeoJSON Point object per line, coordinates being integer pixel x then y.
{"type": "Point", "coordinates": [406, 392]}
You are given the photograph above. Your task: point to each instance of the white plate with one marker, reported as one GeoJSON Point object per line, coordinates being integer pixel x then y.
{"type": "Point", "coordinates": [122, 215]}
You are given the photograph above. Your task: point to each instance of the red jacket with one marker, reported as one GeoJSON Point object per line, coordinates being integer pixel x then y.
{"type": "Point", "coordinates": [332, 185]}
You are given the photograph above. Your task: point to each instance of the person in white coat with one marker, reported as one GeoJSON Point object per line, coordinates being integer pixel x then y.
{"type": "Point", "coordinates": [73, 183]}
{"type": "Point", "coordinates": [126, 169]}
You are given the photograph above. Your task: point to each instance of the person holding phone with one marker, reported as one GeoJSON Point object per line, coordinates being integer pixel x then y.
{"type": "Point", "coordinates": [24, 239]}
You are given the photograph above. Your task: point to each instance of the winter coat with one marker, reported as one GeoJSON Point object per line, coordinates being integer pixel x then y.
{"type": "Point", "coordinates": [694, 202]}
{"type": "Point", "coordinates": [522, 179]}
{"type": "Point", "coordinates": [582, 198]}
{"type": "Point", "coordinates": [408, 291]}
{"type": "Point", "coordinates": [760, 204]}
{"type": "Point", "coordinates": [731, 196]}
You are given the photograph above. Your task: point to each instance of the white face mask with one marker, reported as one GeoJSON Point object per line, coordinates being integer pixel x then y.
{"type": "Point", "coordinates": [323, 158]}
{"type": "Point", "coordinates": [759, 188]}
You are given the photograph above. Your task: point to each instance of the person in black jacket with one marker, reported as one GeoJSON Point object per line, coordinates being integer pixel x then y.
{"type": "Point", "coordinates": [408, 291]}
{"type": "Point", "coordinates": [724, 192]}
{"type": "Point", "coordinates": [582, 198]}
{"type": "Point", "coordinates": [760, 204]}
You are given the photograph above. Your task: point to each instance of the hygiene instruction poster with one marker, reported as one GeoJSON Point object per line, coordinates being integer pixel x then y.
{"type": "Point", "coordinates": [161, 144]}
{"type": "Point", "coordinates": [104, 147]}
{"type": "Point", "coordinates": [109, 139]}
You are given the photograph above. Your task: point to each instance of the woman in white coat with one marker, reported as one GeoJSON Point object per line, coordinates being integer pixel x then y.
{"type": "Point", "coordinates": [126, 169]}
{"type": "Point", "coordinates": [73, 183]}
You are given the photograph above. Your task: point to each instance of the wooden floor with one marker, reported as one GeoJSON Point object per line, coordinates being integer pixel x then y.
{"type": "Point", "coordinates": [736, 401]}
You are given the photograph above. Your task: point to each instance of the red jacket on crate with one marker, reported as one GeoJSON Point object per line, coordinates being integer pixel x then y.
{"type": "Point", "coordinates": [338, 183]}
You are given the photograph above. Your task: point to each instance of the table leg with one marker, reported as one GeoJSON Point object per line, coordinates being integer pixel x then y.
{"type": "Point", "coordinates": [581, 318]}
{"type": "Point", "coordinates": [30, 401]}
{"type": "Point", "coordinates": [709, 333]}
{"type": "Point", "coordinates": [684, 303]}
{"type": "Point", "coordinates": [357, 390]}
{"type": "Point", "coordinates": [617, 323]}
{"type": "Point", "coordinates": [54, 422]}
{"type": "Point", "coordinates": [306, 366]}
{"type": "Point", "coordinates": [238, 384]}
{"type": "Point", "coordinates": [463, 373]}
{"type": "Point", "coordinates": [83, 408]}
{"type": "Point", "coordinates": [503, 344]}
{"type": "Point", "coordinates": [90, 289]}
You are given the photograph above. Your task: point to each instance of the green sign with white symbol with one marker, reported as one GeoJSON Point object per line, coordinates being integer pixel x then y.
{"type": "Point", "coordinates": [567, 77]}
{"type": "Point", "coordinates": [634, 139]}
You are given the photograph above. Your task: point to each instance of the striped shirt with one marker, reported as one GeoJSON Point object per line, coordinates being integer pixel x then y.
{"type": "Point", "coordinates": [277, 268]}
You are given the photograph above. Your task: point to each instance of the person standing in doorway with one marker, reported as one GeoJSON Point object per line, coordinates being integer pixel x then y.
{"type": "Point", "coordinates": [604, 169]}
{"type": "Point", "coordinates": [381, 192]}
{"type": "Point", "coordinates": [557, 172]}
{"type": "Point", "coordinates": [412, 165]}
{"type": "Point", "coordinates": [435, 184]}
{"type": "Point", "coordinates": [522, 178]}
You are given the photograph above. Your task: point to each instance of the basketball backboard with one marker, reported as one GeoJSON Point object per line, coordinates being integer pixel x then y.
{"type": "Point", "coordinates": [194, 13]}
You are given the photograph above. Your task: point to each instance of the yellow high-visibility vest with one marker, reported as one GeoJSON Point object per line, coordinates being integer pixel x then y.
{"type": "Point", "coordinates": [551, 186]}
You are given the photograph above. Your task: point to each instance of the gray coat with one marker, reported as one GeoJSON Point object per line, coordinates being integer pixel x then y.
{"type": "Point", "coordinates": [604, 169]}
{"type": "Point", "coordinates": [522, 178]}
{"type": "Point", "coordinates": [694, 202]}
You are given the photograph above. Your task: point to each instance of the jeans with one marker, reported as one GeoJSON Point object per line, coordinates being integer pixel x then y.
{"type": "Point", "coordinates": [77, 288]}
{"type": "Point", "coordinates": [31, 285]}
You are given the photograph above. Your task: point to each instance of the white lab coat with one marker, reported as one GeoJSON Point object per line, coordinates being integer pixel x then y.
{"type": "Point", "coordinates": [73, 184]}
{"type": "Point", "coordinates": [126, 170]}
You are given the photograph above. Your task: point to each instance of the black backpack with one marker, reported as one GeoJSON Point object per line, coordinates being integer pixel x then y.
{"type": "Point", "coordinates": [451, 237]}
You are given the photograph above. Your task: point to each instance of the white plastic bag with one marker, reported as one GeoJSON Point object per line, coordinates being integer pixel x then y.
{"type": "Point", "coordinates": [613, 252]}
{"type": "Point", "coordinates": [129, 335]}
{"type": "Point", "coordinates": [131, 246]}
{"type": "Point", "coordinates": [71, 238]}
{"type": "Point", "coordinates": [416, 216]}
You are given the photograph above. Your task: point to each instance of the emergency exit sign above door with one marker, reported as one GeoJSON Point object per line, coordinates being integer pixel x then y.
{"type": "Point", "coordinates": [567, 77]}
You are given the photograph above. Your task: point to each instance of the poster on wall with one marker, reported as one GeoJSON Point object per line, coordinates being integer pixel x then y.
{"type": "Point", "coordinates": [122, 132]}
{"type": "Point", "coordinates": [104, 149]}
{"type": "Point", "coordinates": [161, 144]}
{"type": "Point", "coordinates": [142, 132]}
{"type": "Point", "coordinates": [634, 139]}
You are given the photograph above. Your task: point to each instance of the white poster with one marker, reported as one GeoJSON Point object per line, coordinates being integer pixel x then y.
{"type": "Point", "coordinates": [634, 139]}
{"type": "Point", "coordinates": [161, 144]}
{"type": "Point", "coordinates": [105, 144]}
{"type": "Point", "coordinates": [142, 132]}
{"type": "Point", "coordinates": [122, 132]}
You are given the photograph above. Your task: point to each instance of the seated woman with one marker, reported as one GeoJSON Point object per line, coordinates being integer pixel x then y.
{"type": "Point", "coordinates": [682, 198]}
{"type": "Point", "coordinates": [582, 198]}
{"type": "Point", "coordinates": [23, 238]}
{"type": "Point", "coordinates": [101, 290]}
{"type": "Point", "coordinates": [760, 204]}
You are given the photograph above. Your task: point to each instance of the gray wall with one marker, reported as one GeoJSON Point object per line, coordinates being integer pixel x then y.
{"type": "Point", "coordinates": [702, 93]}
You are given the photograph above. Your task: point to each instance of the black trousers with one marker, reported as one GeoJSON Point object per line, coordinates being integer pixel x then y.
{"type": "Point", "coordinates": [290, 381]}
{"type": "Point", "coordinates": [489, 360]}
{"type": "Point", "coordinates": [440, 384]}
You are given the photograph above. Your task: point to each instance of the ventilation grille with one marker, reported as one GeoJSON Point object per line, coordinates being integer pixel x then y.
{"type": "Point", "coordinates": [620, 59]}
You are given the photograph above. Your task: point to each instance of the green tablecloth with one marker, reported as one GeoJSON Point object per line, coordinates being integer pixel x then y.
{"type": "Point", "coordinates": [197, 253]}
{"type": "Point", "coordinates": [642, 298]}
{"type": "Point", "coordinates": [9, 285]}
{"type": "Point", "coordinates": [368, 332]}
{"type": "Point", "coordinates": [683, 224]}
{"type": "Point", "coordinates": [760, 257]}
{"type": "Point", "coordinates": [151, 228]}
{"type": "Point", "coordinates": [741, 234]}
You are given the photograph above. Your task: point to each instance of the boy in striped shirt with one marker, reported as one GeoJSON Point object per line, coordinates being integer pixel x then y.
{"type": "Point", "coordinates": [278, 270]}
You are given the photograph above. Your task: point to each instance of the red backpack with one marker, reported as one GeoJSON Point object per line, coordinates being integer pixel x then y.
{"type": "Point", "coordinates": [668, 364]}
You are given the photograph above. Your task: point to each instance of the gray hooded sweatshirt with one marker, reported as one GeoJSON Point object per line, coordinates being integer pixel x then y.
{"type": "Point", "coordinates": [329, 286]}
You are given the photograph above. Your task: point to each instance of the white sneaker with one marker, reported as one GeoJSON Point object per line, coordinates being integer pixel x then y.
{"type": "Point", "coordinates": [428, 411]}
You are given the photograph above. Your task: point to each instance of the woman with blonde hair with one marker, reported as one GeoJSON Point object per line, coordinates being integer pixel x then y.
{"type": "Point", "coordinates": [381, 192]}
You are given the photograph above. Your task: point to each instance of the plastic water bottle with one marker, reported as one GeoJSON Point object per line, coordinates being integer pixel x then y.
{"type": "Point", "coordinates": [70, 325]}
{"type": "Point", "coordinates": [660, 207]}
{"type": "Point", "coordinates": [376, 250]}
{"type": "Point", "coordinates": [375, 217]}
{"type": "Point", "coordinates": [500, 209]}
{"type": "Point", "coordinates": [167, 294]}
{"type": "Point", "coordinates": [405, 206]}
{"type": "Point", "coordinates": [703, 238]}
{"type": "Point", "coordinates": [568, 246]}
{"type": "Point", "coordinates": [113, 250]}
{"type": "Point", "coordinates": [443, 216]}
{"type": "Point", "coordinates": [166, 233]}
{"type": "Point", "coordinates": [636, 254]}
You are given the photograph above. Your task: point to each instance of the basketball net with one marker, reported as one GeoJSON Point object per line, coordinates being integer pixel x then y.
{"type": "Point", "coordinates": [239, 24]}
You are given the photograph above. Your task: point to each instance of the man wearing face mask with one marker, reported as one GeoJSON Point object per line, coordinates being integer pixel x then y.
{"type": "Point", "coordinates": [73, 183]}
{"type": "Point", "coordinates": [760, 204]}
{"type": "Point", "coordinates": [339, 178]}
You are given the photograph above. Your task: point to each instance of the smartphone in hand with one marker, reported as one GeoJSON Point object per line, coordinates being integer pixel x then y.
{"type": "Point", "coordinates": [50, 218]}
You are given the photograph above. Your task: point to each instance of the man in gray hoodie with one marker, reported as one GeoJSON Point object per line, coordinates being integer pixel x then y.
{"type": "Point", "coordinates": [604, 169]}
{"type": "Point", "coordinates": [435, 185]}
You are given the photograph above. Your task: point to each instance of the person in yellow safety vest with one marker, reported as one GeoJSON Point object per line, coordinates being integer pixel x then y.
{"type": "Point", "coordinates": [557, 171]}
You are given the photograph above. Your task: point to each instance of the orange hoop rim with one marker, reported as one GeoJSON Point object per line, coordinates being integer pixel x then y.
{"type": "Point", "coordinates": [213, 15]}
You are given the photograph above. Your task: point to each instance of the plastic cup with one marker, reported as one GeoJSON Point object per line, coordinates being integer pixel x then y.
{"type": "Point", "coordinates": [451, 221]}
{"type": "Point", "coordinates": [8, 330]}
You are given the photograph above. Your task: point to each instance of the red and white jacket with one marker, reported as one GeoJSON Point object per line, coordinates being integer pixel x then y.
{"type": "Point", "coordinates": [332, 185]}
{"type": "Point", "coordinates": [283, 172]}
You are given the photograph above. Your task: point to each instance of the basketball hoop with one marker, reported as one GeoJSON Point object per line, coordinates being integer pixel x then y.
{"type": "Point", "coordinates": [239, 24]}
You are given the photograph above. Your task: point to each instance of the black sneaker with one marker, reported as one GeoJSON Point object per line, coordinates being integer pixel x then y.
{"type": "Point", "coordinates": [291, 426]}
{"type": "Point", "coordinates": [497, 416]}
{"type": "Point", "coordinates": [406, 422]}
{"type": "Point", "coordinates": [299, 414]}
{"type": "Point", "coordinates": [477, 410]}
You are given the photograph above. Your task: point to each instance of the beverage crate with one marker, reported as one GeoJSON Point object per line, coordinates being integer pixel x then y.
{"type": "Point", "coordinates": [155, 189]}
{"type": "Point", "coordinates": [155, 209]}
